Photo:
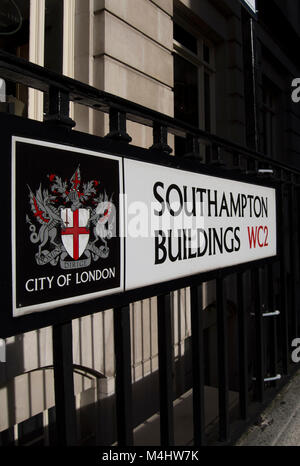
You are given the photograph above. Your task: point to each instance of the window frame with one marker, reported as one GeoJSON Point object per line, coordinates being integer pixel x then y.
{"type": "Point", "coordinates": [270, 112]}
{"type": "Point", "coordinates": [202, 68]}
{"type": "Point", "coordinates": [37, 48]}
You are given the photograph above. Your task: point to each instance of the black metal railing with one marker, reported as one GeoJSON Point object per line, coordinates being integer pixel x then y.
{"type": "Point", "coordinates": [280, 294]}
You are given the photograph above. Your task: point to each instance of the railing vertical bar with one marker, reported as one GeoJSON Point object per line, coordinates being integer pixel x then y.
{"type": "Point", "coordinates": [272, 325]}
{"type": "Point", "coordinates": [293, 265]}
{"type": "Point", "coordinates": [297, 239]}
{"type": "Point", "coordinates": [66, 434]}
{"type": "Point", "coordinates": [123, 376]}
{"type": "Point", "coordinates": [243, 347]}
{"type": "Point", "coordinates": [259, 340]}
{"type": "Point", "coordinates": [165, 357]}
{"type": "Point", "coordinates": [284, 320]}
{"type": "Point", "coordinates": [283, 287]}
{"type": "Point", "coordinates": [198, 365]}
{"type": "Point", "coordinates": [223, 382]}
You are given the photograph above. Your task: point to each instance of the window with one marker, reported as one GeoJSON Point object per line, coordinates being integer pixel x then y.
{"type": "Point", "coordinates": [14, 39]}
{"type": "Point", "coordinates": [41, 31]}
{"type": "Point", "coordinates": [14, 27]}
{"type": "Point", "coordinates": [53, 55]}
{"type": "Point", "coordinates": [193, 81]}
{"type": "Point", "coordinates": [270, 107]}
{"type": "Point", "coordinates": [53, 40]}
{"type": "Point", "coordinates": [186, 90]}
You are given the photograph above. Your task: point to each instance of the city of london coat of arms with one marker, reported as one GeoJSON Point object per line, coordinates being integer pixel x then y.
{"type": "Point", "coordinates": [71, 223]}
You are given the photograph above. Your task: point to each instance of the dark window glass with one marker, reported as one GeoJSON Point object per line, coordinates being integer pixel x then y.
{"type": "Point", "coordinates": [207, 108]}
{"type": "Point", "coordinates": [186, 90]}
{"type": "Point", "coordinates": [53, 56]}
{"type": "Point", "coordinates": [185, 38]}
{"type": "Point", "coordinates": [269, 136]}
{"type": "Point", "coordinates": [185, 97]}
{"type": "Point", "coordinates": [54, 35]}
{"type": "Point", "coordinates": [14, 26]}
{"type": "Point", "coordinates": [206, 54]}
{"type": "Point", "coordinates": [14, 39]}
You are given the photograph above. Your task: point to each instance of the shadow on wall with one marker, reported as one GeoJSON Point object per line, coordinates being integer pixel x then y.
{"type": "Point", "coordinates": [15, 346]}
{"type": "Point", "coordinates": [98, 426]}
{"type": "Point", "coordinates": [97, 421]}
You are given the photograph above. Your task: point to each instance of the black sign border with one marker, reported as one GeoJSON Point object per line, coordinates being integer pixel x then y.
{"type": "Point", "coordinates": [16, 126]}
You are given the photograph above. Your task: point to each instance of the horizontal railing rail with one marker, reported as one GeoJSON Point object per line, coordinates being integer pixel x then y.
{"type": "Point", "coordinates": [19, 70]}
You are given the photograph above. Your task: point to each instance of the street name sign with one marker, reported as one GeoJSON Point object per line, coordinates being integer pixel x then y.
{"type": "Point", "coordinates": [91, 224]}
{"type": "Point", "coordinates": [198, 223]}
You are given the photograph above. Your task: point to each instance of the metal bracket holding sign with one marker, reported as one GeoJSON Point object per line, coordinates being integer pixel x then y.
{"type": "Point", "coordinates": [94, 226]}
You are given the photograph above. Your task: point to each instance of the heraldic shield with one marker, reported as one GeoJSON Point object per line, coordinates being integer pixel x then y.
{"type": "Point", "coordinates": [75, 236]}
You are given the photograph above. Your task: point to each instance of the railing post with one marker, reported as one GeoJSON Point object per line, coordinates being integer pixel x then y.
{"type": "Point", "coordinates": [294, 266]}
{"type": "Point", "coordinates": [222, 360]}
{"type": "Point", "coordinates": [252, 167]}
{"type": "Point", "coordinates": [117, 126]}
{"type": "Point", "coordinates": [216, 156]}
{"type": "Point", "coordinates": [297, 239]}
{"type": "Point", "coordinates": [64, 384]}
{"type": "Point", "coordinates": [243, 347]}
{"type": "Point", "coordinates": [259, 343]}
{"type": "Point", "coordinates": [192, 148]}
{"type": "Point", "coordinates": [58, 108]}
{"type": "Point", "coordinates": [165, 357]}
{"type": "Point", "coordinates": [283, 283]}
{"type": "Point", "coordinates": [123, 376]}
{"type": "Point", "coordinates": [160, 138]}
{"type": "Point", "coordinates": [273, 325]}
{"type": "Point", "coordinates": [198, 365]}
{"type": "Point", "coordinates": [236, 162]}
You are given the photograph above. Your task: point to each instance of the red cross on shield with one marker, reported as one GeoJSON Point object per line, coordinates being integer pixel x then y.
{"type": "Point", "coordinates": [75, 236]}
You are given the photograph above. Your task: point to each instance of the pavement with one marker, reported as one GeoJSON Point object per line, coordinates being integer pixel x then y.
{"type": "Point", "coordinates": [279, 424]}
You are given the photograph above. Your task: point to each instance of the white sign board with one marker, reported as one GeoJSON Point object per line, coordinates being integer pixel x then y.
{"type": "Point", "coordinates": [181, 223]}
